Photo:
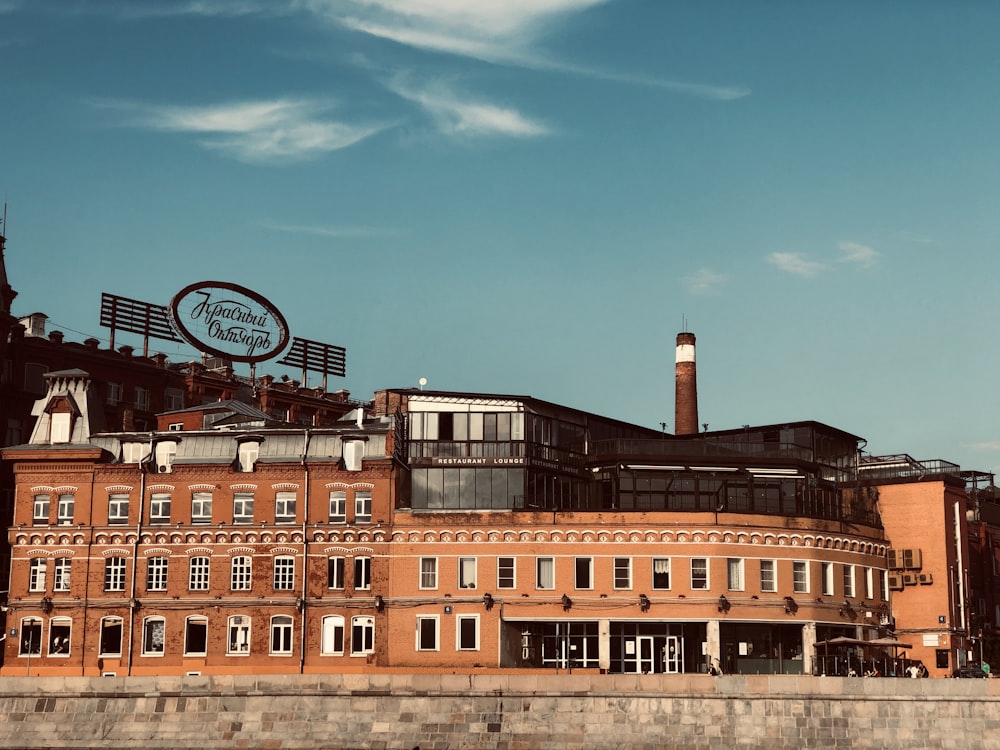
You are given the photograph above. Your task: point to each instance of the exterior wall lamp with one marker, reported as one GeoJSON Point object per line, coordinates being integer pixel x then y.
{"type": "Point", "coordinates": [379, 603]}
{"type": "Point", "coordinates": [791, 606]}
{"type": "Point", "coordinates": [724, 605]}
{"type": "Point", "coordinates": [488, 601]}
{"type": "Point", "coordinates": [644, 603]}
{"type": "Point", "coordinates": [566, 602]}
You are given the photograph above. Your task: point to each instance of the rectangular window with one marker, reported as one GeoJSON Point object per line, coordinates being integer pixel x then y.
{"type": "Point", "coordinates": [281, 635]}
{"type": "Point", "coordinates": [40, 514]}
{"type": "Point", "coordinates": [699, 573]}
{"type": "Point", "coordinates": [284, 573]}
{"type": "Point", "coordinates": [332, 642]}
{"type": "Point", "coordinates": [60, 629]}
{"type": "Point", "coordinates": [335, 572]}
{"type": "Point", "coordinates": [114, 574]}
{"type": "Point", "coordinates": [240, 573]}
{"type": "Point", "coordinates": [505, 573]}
{"type": "Point", "coordinates": [848, 581]}
{"type": "Point", "coordinates": [428, 572]}
{"type": "Point", "coordinates": [734, 577]}
{"type": "Point", "coordinates": [362, 573]}
{"type": "Point", "coordinates": [114, 393]}
{"type": "Point", "coordinates": [196, 636]}
{"type": "Point", "coordinates": [238, 642]}
{"type": "Point", "coordinates": [61, 424]}
{"type": "Point", "coordinates": [36, 576]}
{"type": "Point", "coordinates": [284, 507]}
{"type": "Point", "coordinates": [111, 637]}
{"type": "Point", "coordinates": [870, 585]}
{"type": "Point", "coordinates": [173, 399]}
{"type": "Point", "coordinates": [243, 507]}
{"type": "Point", "coordinates": [800, 577]}
{"type": "Point", "coordinates": [362, 506]}
{"type": "Point", "coordinates": [768, 578]}
{"type": "Point", "coordinates": [467, 572]}
{"type": "Point", "coordinates": [623, 573]}
{"type": "Point", "coordinates": [153, 630]}
{"type": "Point", "coordinates": [545, 573]}
{"type": "Point", "coordinates": [338, 506]}
{"type": "Point", "coordinates": [67, 504]}
{"type": "Point", "coordinates": [31, 637]}
{"type": "Point", "coordinates": [362, 635]}
{"type": "Point", "coordinates": [201, 507]}
{"type": "Point", "coordinates": [827, 570]}
{"type": "Point", "coordinates": [247, 455]}
{"type": "Point", "coordinates": [142, 398]}
{"type": "Point", "coordinates": [156, 574]}
{"type": "Point", "coordinates": [467, 633]}
{"type": "Point", "coordinates": [61, 574]}
{"type": "Point", "coordinates": [198, 573]}
{"type": "Point", "coordinates": [583, 573]}
{"type": "Point", "coordinates": [661, 573]}
{"type": "Point", "coordinates": [159, 508]}
{"type": "Point", "coordinates": [427, 633]}
{"type": "Point", "coordinates": [118, 509]}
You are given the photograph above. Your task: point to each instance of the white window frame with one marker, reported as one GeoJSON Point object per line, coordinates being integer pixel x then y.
{"type": "Point", "coordinates": [869, 579]}
{"type": "Point", "coordinates": [159, 508]}
{"type": "Point", "coordinates": [428, 573]}
{"type": "Point", "coordinates": [800, 577]}
{"type": "Point", "coordinates": [188, 622]}
{"type": "Point", "coordinates": [199, 573]}
{"type": "Point", "coordinates": [165, 453]}
{"type": "Point", "coordinates": [157, 570]}
{"type": "Point", "coordinates": [247, 455]}
{"type": "Point", "coordinates": [622, 573]}
{"type": "Point", "coordinates": [336, 572]}
{"type": "Point", "coordinates": [40, 509]}
{"type": "Point", "coordinates": [459, 620]}
{"type": "Point", "coordinates": [114, 393]}
{"type": "Point", "coordinates": [62, 574]}
{"type": "Point", "coordinates": [284, 573]}
{"type": "Point", "coordinates": [769, 579]}
{"type": "Point", "coordinates": [37, 570]}
{"type": "Point", "coordinates": [241, 573]}
{"type": "Point", "coordinates": [826, 570]}
{"type": "Point", "coordinates": [151, 648]}
{"type": "Point", "coordinates": [284, 507]}
{"type": "Point", "coordinates": [504, 580]}
{"type": "Point", "coordinates": [583, 573]}
{"type": "Point", "coordinates": [66, 509]}
{"type": "Point", "coordinates": [60, 427]}
{"type": "Point", "coordinates": [735, 574]}
{"type": "Point", "coordinates": [362, 573]}
{"type": "Point", "coordinates": [362, 629]}
{"type": "Point", "coordinates": [141, 394]}
{"type": "Point", "coordinates": [118, 509]}
{"type": "Point", "coordinates": [666, 569]}
{"type": "Point", "coordinates": [338, 506]}
{"type": "Point", "coordinates": [281, 627]}
{"type": "Point", "coordinates": [201, 508]}
{"type": "Point", "coordinates": [243, 507]}
{"type": "Point", "coordinates": [114, 573]}
{"type": "Point", "coordinates": [700, 582]}
{"type": "Point", "coordinates": [29, 645]}
{"type": "Point", "coordinates": [468, 572]}
{"type": "Point", "coordinates": [362, 506]}
{"type": "Point", "coordinates": [850, 582]}
{"type": "Point", "coordinates": [62, 649]}
{"type": "Point", "coordinates": [107, 622]}
{"type": "Point", "coordinates": [434, 621]}
{"type": "Point", "coordinates": [328, 635]}
{"type": "Point", "coordinates": [545, 573]}
{"type": "Point", "coordinates": [240, 627]}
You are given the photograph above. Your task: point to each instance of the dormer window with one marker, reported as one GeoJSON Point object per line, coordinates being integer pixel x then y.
{"type": "Point", "coordinates": [133, 453]}
{"type": "Point", "coordinates": [61, 412]}
{"type": "Point", "coordinates": [166, 451]}
{"type": "Point", "coordinates": [354, 451]}
{"type": "Point", "coordinates": [248, 452]}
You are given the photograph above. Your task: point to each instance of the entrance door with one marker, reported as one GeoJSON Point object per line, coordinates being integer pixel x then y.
{"type": "Point", "coordinates": [647, 654]}
{"type": "Point", "coordinates": [673, 655]}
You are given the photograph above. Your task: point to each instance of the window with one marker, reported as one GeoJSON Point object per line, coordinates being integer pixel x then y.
{"type": "Point", "coordinates": [338, 506]}
{"type": "Point", "coordinates": [545, 573]}
{"type": "Point", "coordinates": [467, 633]}
{"type": "Point", "coordinates": [173, 399]}
{"type": "Point", "coordinates": [699, 573]}
{"type": "Point", "coordinates": [362, 572]}
{"type": "Point", "coordinates": [114, 393]}
{"type": "Point", "coordinates": [284, 507]}
{"type": "Point", "coordinates": [238, 641]}
{"type": "Point", "coordinates": [583, 573]}
{"type": "Point", "coordinates": [61, 574]}
{"type": "Point", "coordinates": [159, 508]}
{"type": "Point", "coordinates": [118, 509]}
{"type": "Point", "coordinates": [239, 573]}
{"type": "Point", "coordinates": [133, 453]}
{"type": "Point", "coordinates": [142, 398]}
{"type": "Point", "coordinates": [354, 451]}
{"type": "Point", "coordinates": [870, 585]}
{"type": "Point", "coordinates": [467, 572]}
{"type": "Point", "coordinates": [335, 572]}
{"type": "Point", "coordinates": [31, 637]}
{"type": "Point", "coordinates": [248, 453]}
{"type": "Point", "coordinates": [201, 507]}
{"type": "Point", "coordinates": [243, 507]}
{"type": "Point", "coordinates": [284, 573]}
{"type": "Point", "coordinates": [661, 573]}
{"type": "Point", "coordinates": [848, 581]}
{"type": "Point", "coordinates": [363, 507]}
{"type": "Point", "coordinates": [111, 637]}
{"type": "Point", "coordinates": [827, 571]}
{"type": "Point", "coordinates": [61, 426]}
{"type": "Point", "coordinates": [505, 573]}
{"type": "Point", "coordinates": [40, 514]}
{"type": "Point", "coordinates": [362, 635]}
{"type": "Point", "coordinates": [332, 641]}
{"type": "Point", "coordinates": [281, 635]}
{"type": "Point", "coordinates": [36, 574]}
{"type": "Point", "coordinates": [114, 574]}
{"type": "Point", "coordinates": [196, 636]}
{"type": "Point", "coordinates": [153, 630]}
{"type": "Point", "coordinates": [60, 630]}
{"type": "Point", "coordinates": [427, 633]}
{"type": "Point", "coordinates": [800, 577]}
{"type": "Point", "coordinates": [428, 572]}
{"type": "Point", "coordinates": [198, 573]}
{"type": "Point", "coordinates": [64, 514]}
{"type": "Point", "coordinates": [156, 574]}
{"type": "Point", "coordinates": [734, 575]}
{"type": "Point", "coordinates": [768, 579]}
{"type": "Point", "coordinates": [623, 573]}
{"type": "Point", "coordinates": [166, 451]}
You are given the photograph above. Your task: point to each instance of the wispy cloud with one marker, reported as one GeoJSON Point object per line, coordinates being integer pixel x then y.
{"type": "Point", "coordinates": [704, 281]}
{"type": "Point", "coordinates": [259, 131]}
{"type": "Point", "coordinates": [796, 263]}
{"type": "Point", "coordinates": [862, 255]}
{"type": "Point", "coordinates": [329, 231]}
{"type": "Point", "coordinates": [988, 446]}
{"type": "Point", "coordinates": [457, 116]}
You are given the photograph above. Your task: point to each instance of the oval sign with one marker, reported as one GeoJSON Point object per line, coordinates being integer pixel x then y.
{"type": "Point", "coordinates": [229, 321]}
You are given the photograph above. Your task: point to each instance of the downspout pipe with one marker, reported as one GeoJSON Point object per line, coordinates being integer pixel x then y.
{"type": "Point", "coordinates": [307, 437]}
{"type": "Point", "coordinates": [135, 557]}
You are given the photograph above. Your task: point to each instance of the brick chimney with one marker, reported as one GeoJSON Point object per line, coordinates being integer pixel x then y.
{"type": "Point", "coordinates": [686, 387]}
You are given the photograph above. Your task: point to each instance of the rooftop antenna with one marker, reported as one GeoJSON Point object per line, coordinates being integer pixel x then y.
{"type": "Point", "coordinates": [423, 382]}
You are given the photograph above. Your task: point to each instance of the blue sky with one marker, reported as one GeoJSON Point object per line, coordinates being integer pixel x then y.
{"type": "Point", "coordinates": [533, 196]}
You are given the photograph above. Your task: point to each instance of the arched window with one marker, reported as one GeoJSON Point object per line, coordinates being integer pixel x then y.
{"type": "Point", "coordinates": [281, 635]}
{"type": "Point", "coordinates": [153, 636]}
{"type": "Point", "coordinates": [333, 636]}
{"type": "Point", "coordinates": [362, 636]}
{"type": "Point", "coordinates": [60, 630]}
{"type": "Point", "coordinates": [238, 642]}
{"type": "Point", "coordinates": [31, 637]}
{"type": "Point", "coordinates": [111, 637]}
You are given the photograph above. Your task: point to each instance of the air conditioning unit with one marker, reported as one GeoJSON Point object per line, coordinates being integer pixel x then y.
{"type": "Point", "coordinates": [911, 559]}
{"type": "Point", "coordinates": [895, 559]}
{"type": "Point", "coordinates": [163, 469]}
{"type": "Point", "coordinates": [925, 578]}
{"type": "Point", "coordinates": [895, 581]}
{"type": "Point", "coordinates": [909, 579]}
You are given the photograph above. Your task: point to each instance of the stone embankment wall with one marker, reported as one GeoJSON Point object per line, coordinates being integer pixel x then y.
{"type": "Point", "coordinates": [498, 712]}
